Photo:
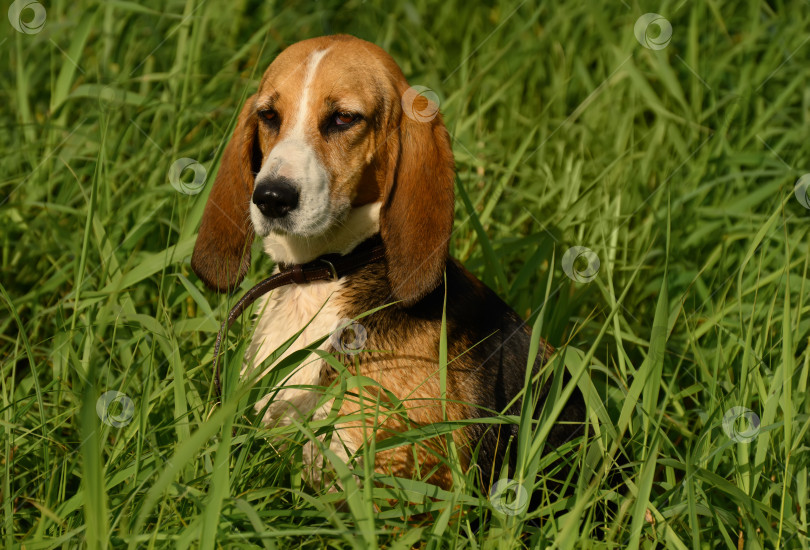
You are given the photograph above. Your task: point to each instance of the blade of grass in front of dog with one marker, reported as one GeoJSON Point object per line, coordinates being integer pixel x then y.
{"type": "Point", "coordinates": [361, 509]}
{"type": "Point", "coordinates": [443, 353]}
{"type": "Point", "coordinates": [452, 453]}
{"type": "Point", "coordinates": [409, 539]}
{"type": "Point", "coordinates": [439, 526]}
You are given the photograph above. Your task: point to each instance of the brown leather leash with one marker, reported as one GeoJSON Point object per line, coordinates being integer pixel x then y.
{"type": "Point", "coordinates": [329, 267]}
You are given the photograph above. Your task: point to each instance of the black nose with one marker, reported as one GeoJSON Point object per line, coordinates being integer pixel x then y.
{"type": "Point", "coordinates": [275, 198]}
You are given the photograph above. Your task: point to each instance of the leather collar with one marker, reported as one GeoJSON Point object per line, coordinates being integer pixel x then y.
{"type": "Point", "coordinates": [324, 268]}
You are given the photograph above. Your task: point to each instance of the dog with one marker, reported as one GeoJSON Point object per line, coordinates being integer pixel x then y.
{"type": "Point", "coordinates": [334, 153]}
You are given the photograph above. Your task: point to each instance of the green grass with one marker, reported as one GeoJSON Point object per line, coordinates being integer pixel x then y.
{"type": "Point", "coordinates": [675, 166]}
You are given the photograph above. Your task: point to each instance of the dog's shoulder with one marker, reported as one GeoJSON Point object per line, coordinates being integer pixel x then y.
{"type": "Point", "coordinates": [486, 338]}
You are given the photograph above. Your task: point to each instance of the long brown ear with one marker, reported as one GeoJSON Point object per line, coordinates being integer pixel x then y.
{"type": "Point", "coordinates": [416, 217]}
{"type": "Point", "coordinates": [222, 251]}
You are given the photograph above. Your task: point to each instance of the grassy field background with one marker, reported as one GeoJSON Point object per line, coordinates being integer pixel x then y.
{"type": "Point", "coordinates": [674, 161]}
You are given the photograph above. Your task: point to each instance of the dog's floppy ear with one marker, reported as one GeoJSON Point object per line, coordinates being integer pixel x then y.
{"type": "Point", "coordinates": [416, 217]}
{"type": "Point", "coordinates": [222, 251]}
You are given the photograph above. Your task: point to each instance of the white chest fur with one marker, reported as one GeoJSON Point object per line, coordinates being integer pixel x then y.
{"type": "Point", "coordinates": [286, 310]}
{"type": "Point", "coordinates": [281, 314]}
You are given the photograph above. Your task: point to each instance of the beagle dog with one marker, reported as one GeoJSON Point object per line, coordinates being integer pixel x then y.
{"type": "Point", "coordinates": [333, 152]}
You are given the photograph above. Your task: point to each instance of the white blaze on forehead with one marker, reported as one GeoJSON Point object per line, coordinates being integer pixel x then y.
{"type": "Point", "coordinates": [313, 61]}
{"type": "Point", "coordinates": [295, 159]}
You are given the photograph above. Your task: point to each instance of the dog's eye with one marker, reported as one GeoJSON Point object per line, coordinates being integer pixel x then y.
{"type": "Point", "coordinates": [268, 114]}
{"type": "Point", "coordinates": [342, 119]}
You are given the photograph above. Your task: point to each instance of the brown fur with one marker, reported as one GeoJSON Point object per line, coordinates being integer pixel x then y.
{"type": "Point", "coordinates": [487, 351]}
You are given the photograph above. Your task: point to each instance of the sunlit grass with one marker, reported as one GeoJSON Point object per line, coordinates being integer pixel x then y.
{"type": "Point", "coordinates": [676, 167]}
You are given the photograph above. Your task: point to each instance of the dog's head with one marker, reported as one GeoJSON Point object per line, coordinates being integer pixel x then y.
{"type": "Point", "coordinates": [334, 126]}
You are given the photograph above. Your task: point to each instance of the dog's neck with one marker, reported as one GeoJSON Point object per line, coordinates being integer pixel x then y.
{"type": "Point", "coordinates": [361, 223]}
